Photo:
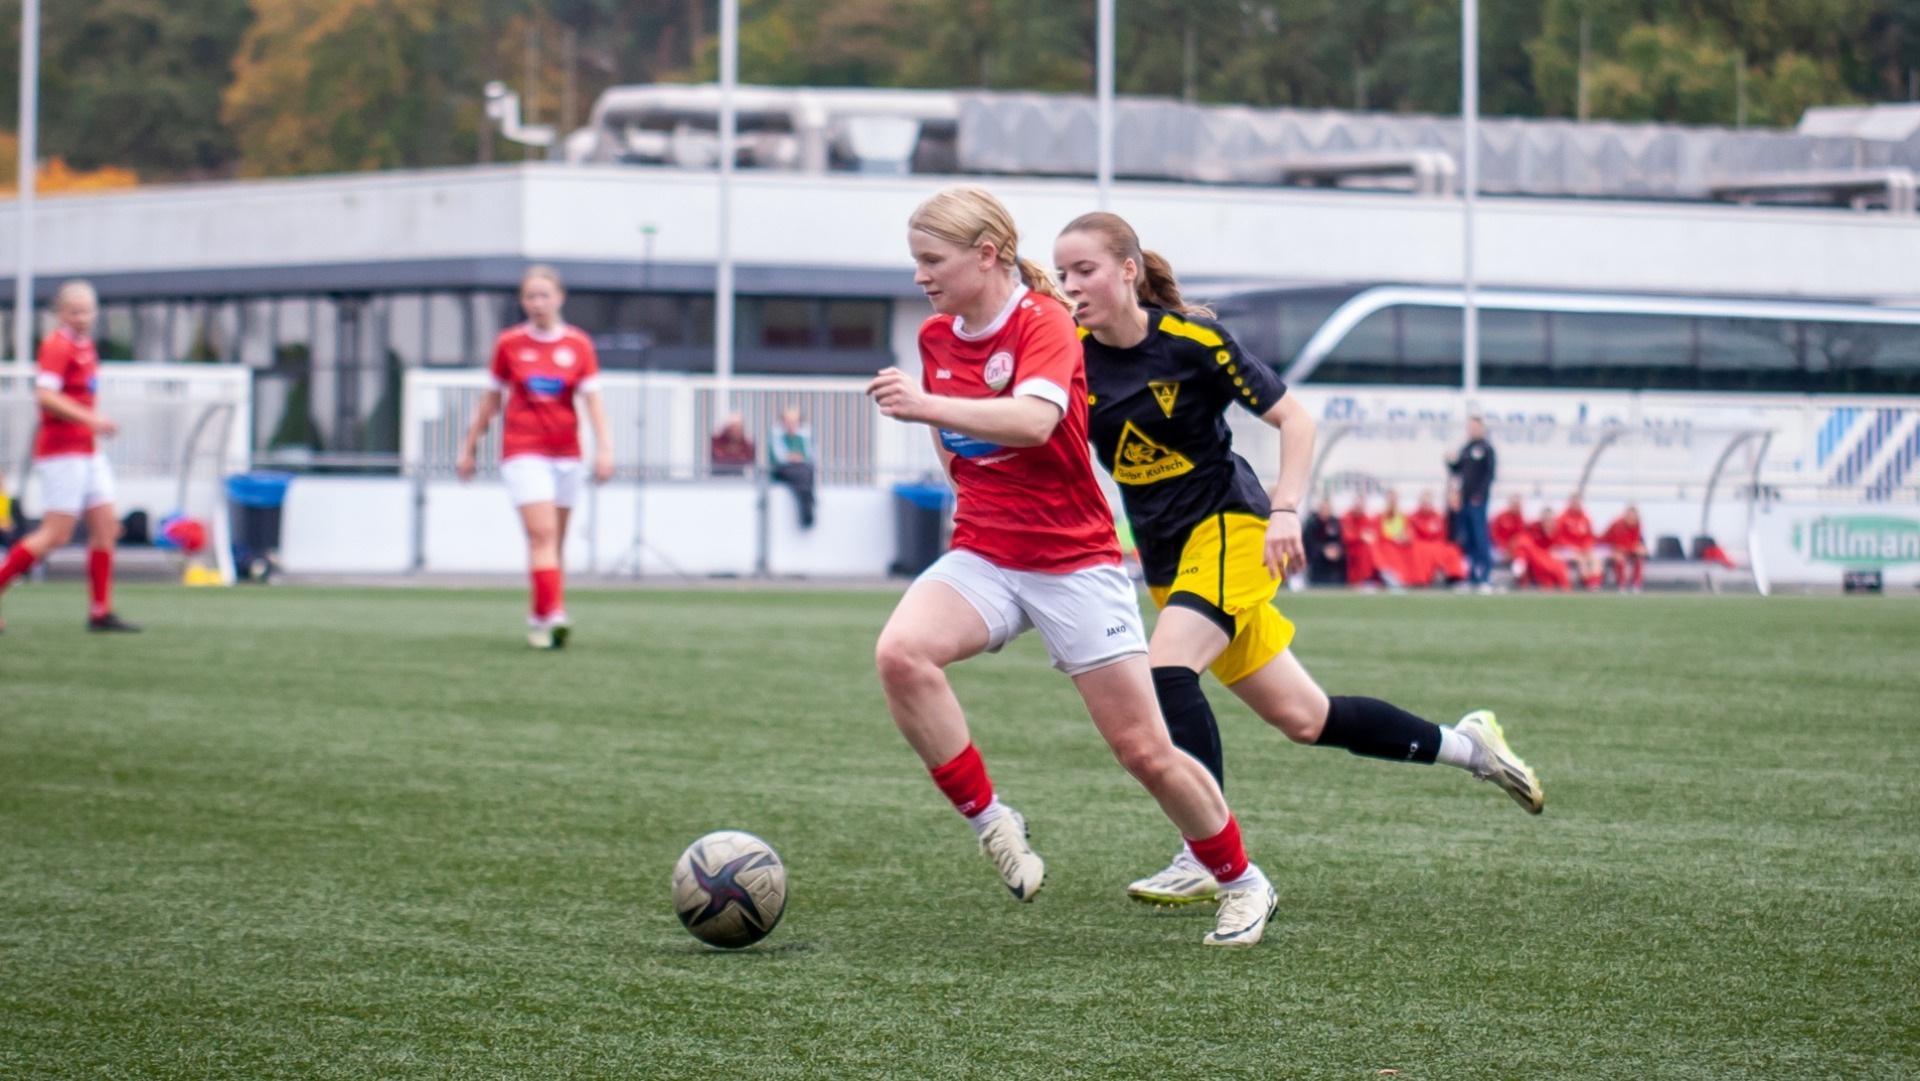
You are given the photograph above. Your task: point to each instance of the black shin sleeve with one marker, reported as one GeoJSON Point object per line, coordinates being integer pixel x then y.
{"type": "Point", "coordinates": [1376, 729]}
{"type": "Point", "coordinates": [1189, 717]}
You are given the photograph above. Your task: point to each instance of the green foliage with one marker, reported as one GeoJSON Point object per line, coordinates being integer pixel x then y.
{"type": "Point", "coordinates": [130, 83]}
{"type": "Point", "coordinates": [366, 834]}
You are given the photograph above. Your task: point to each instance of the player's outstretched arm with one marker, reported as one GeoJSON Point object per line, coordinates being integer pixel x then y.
{"type": "Point", "coordinates": [482, 420]}
{"type": "Point", "coordinates": [1285, 550]}
{"type": "Point", "coordinates": [1020, 421]}
{"type": "Point", "coordinates": [66, 408]}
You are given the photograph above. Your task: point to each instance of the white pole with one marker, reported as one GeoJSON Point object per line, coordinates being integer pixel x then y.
{"type": "Point", "coordinates": [1469, 187]}
{"type": "Point", "coordinates": [723, 264]}
{"type": "Point", "coordinates": [1103, 95]}
{"type": "Point", "coordinates": [29, 138]}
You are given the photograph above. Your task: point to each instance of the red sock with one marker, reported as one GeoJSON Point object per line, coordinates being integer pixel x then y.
{"type": "Point", "coordinates": [1639, 571]}
{"type": "Point", "coordinates": [18, 560]}
{"type": "Point", "coordinates": [1222, 854]}
{"type": "Point", "coordinates": [965, 783]}
{"type": "Point", "coordinates": [100, 580]}
{"type": "Point", "coordinates": [546, 591]}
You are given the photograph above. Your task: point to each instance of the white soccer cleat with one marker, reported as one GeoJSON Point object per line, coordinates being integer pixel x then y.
{"type": "Point", "coordinates": [1244, 914]}
{"type": "Point", "coordinates": [1004, 841]}
{"type": "Point", "coordinates": [1184, 882]}
{"type": "Point", "coordinates": [1494, 761]}
{"type": "Point", "coordinates": [540, 638]}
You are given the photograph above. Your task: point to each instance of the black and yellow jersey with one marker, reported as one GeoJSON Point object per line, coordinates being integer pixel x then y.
{"type": "Point", "coordinates": [1157, 419]}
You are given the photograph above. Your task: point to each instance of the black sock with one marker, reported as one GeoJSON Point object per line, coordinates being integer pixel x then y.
{"type": "Point", "coordinates": [1375, 729]}
{"type": "Point", "coordinates": [1190, 718]}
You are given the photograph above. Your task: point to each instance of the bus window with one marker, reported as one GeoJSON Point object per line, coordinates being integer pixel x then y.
{"type": "Point", "coordinates": [1610, 350]}
{"type": "Point", "coordinates": [1750, 354]}
{"type": "Point", "coordinates": [1513, 349]}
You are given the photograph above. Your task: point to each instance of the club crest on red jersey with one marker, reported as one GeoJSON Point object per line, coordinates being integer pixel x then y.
{"type": "Point", "coordinates": [999, 370]}
{"type": "Point", "coordinates": [563, 356]}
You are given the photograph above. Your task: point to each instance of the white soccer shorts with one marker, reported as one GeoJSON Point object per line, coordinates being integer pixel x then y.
{"type": "Point", "coordinates": [73, 483]}
{"type": "Point", "coordinates": [1088, 618]}
{"type": "Point", "coordinates": [536, 478]}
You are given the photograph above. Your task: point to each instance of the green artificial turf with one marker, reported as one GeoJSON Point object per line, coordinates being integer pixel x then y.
{"type": "Point", "coordinates": [331, 833]}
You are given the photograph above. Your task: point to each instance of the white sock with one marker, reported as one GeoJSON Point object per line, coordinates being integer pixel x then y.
{"type": "Point", "coordinates": [1249, 878]}
{"type": "Point", "coordinates": [986, 817]}
{"type": "Point", "coordinates": [1455, 749]}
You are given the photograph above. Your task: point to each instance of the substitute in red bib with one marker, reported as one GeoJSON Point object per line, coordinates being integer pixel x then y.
{"type": "Point", "coordinates": [1004, 393]}
{"type": "Point", "coordinates": [539, 369]}
{"type": "Point", "coordinates": [75, 479]}
{"type": "Point", "coordinates": [1214, 544]}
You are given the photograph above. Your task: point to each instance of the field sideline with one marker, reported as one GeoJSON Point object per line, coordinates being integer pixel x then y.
{"type": "Point", "coordinates": [341, 833]}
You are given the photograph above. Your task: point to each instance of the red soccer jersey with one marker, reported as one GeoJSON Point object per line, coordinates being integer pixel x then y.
{"type": "Point", "coordinates": [1428, 525]}
{"type": "Point", "coordinates": [1573, 530]}
{"type": "Point", "coordinates": [71, 366]}
{"type": "Point", "coordinates": [1505, 526]}
{"type": "Point", "coordinates": [539, 373]}
{"type": "Point", "coordinates": [1624, 536]}
{"type": "Point", "coordinates": [1025, 508]}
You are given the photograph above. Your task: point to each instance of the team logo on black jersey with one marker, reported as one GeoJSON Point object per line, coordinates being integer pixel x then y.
{"type": "Point", "coordinates": [1139, 460]}
{"type": "Point", "coordinates": [1165, 393]}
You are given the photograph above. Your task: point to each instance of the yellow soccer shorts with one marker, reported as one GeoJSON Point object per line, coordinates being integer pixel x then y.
{"type": "Point", "coordinates": [1224, 564]}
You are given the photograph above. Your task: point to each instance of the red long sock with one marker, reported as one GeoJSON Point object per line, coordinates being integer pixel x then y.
{"type": "Point", "coordinates": [100, 581]}
{"type": "Point", "coordinates": [965, 783]}
{"type": "Point", "coordinates": [1639, 571]}
{"type": "Point", "coordinates": [1222, 854]}
{"type": "Point", "coordinates": [559, 592]}
{"type": "Point", "coordinates": [18, 560]}
{"type": "Point", "coordinates": [546, 591]}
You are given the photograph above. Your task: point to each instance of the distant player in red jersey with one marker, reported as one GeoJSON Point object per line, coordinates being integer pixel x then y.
{"type": "Point", "coordinates": [1004, 390]}
{"type": "Point", "coordinates": [1626, 550]}
{"type": "Point", "coordinates": [1574, 541]}
{"type": "Point", "coordinates": [1214, 542]}
{"type": "Point", "coordinates": [1507, 525]}
{"type": "Point", "coordinates": [75, 480]}
{"type": "Point", "coordinates": [539, 368]}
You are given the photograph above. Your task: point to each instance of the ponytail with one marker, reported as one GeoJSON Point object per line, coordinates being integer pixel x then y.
{"type": "Point", "coordinates": [1040, 280]}
{"type": "Point", "coordinates": [1157, 287]}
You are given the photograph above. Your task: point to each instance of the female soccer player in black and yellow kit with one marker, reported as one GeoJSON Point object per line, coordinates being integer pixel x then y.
{"type": "Point", "coordinates": [1214, 544]}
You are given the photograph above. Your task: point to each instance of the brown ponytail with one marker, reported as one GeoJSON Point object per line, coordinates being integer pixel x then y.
{"type": "Point", "coordinates": [1155, 285]}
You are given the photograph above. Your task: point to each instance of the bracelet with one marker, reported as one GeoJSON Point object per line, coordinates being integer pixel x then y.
{"type": "Point", "coordinates": [1295, 511]}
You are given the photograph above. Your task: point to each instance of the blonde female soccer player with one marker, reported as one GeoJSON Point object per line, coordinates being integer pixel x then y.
{"type": "Point", "coordinates": [539, 368]}
{"type": "Point", "coordinates": [75, 480]}
{"type": "Point", "coordinates": [1004, 391]}
{"type": "Point", "coordinates": [1213, 542]}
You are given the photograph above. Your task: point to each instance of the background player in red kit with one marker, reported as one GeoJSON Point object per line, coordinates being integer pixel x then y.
{"type": "Point", "coordinates": [1626, 550]}
{"type": "Point", "coordinates": [1214, 543]}
{"type": "Point", "coordinates": [75, 479]}
{"type": "Point", "coordinates": [1004, 391]}
{"type": "Point", "coordinates": [539, 367]}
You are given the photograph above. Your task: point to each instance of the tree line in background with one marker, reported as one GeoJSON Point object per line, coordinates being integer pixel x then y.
{"type": "Point", "coordinates": [175, 89]}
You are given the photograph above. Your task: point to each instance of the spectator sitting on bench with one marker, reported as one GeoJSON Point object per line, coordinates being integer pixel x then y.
{"type": "Point", "coordinates": [1325, 545]}
{"type": "Point", "coordinates": [1626, 550]}
{"type": "Point", "coordinates": [1533, 560]}
{"type": "Point", "coordinates": [790, 447]}
{"type": "Point", "coordinates": [731, 451]}
{"type": "Point", "coordinates": [1573, 541]}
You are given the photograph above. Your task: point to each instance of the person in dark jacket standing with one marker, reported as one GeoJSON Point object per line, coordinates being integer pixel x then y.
{"type": "Point", "coordinates": [1473, 470]}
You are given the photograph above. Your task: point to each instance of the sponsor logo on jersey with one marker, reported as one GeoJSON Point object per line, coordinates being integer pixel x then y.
{"type": "Point", "coordinates": [528, 356]}
{"type": "Point", "coordinates": [999, 370]}
{"type": "Point", "coordinates": [1139, 460]}
{"type": "Point", "coordinates": [563, 356]}
{"type": "Point", "coordinates": [1165, 393]}
{"type": "Point", "coordinates": [942, 373]}
{"type": "Point", "coordinates": [546, 386]}
{"type": "Point", "coordinates": [967, 446]}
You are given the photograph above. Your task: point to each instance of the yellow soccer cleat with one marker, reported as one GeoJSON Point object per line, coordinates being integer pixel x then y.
{"type": "Point", "coordinates": [1494, 761]}
{"type": "Point", "coordinates": [1184, 882]}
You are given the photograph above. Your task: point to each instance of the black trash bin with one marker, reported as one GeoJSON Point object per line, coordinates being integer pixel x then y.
{"type": "Point", "coordinates": [256, 500]}
{"type": "Point", "coordinates": [920, 525]}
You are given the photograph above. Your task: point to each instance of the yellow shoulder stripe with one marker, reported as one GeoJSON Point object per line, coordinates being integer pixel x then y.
{"type": "Point", "coordinates": [1173, 324]}
{"type": "Point", "coordinates": [1083, 332]}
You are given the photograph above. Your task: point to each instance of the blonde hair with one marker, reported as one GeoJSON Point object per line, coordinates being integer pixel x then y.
{"type": "Point", "coordinates": [970, 216]}
{"type": "Point", "coordinates": [1156, 286]}
{"type": "Point", "coordinates": [542, 270]}
{"type": "Point", "coordinates": [73, 287]}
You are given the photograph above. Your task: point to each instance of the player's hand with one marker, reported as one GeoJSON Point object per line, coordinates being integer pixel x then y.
{"type": "Point", "coordinates": [897, 395]}
{"type": "Point", "coordinates": [602, 465]}
{"type": "Point", "coordinates": [1284, 550]}
{"type": "Point", "coordinates": [104, 425]}
{"type": "Point", "coordinates": [463, 465]}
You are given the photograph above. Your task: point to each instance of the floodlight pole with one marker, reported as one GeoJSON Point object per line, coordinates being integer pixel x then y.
{"type": "Point", "coordinates": [1469, 187]}
{"type": "Point", "coordinates": [723, 263]}
{"type": "Point", "coordinates": [29, 136]}
{"type": "Point", "coordinates": [1103, 96]}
